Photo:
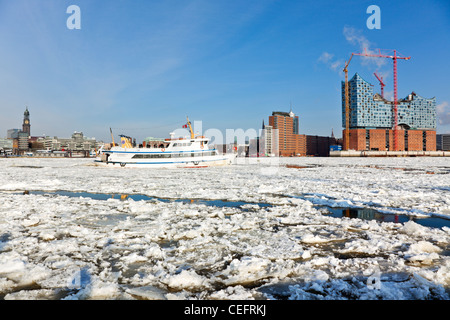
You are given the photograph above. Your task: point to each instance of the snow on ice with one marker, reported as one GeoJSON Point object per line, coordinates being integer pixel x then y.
{"type": "Point", "coordinates": [271, 237]}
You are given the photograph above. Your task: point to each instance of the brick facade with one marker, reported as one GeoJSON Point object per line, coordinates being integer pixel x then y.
{"type": "Point", "coordinates": [357, 139]}
{"type": "Point", "coordinates": [300, 145]}
{"type": "Point", "coordinates": [415, 140]}
{"type": "Point", "coordinates": [286, 139]}
{"type": "Point", "coordinates": [377, 139]}
{"type": "Point", "coordinates": [319, 145]}
{"type": "Point", "coordinates": [383, 140]}
{"type": "Point", "coordinates": [430, 140]}
{"type": "Point", "coordinates": [289, 143]}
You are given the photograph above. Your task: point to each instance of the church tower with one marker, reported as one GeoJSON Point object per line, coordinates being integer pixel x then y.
{"type": "Point", "coordinates": [26, 122]}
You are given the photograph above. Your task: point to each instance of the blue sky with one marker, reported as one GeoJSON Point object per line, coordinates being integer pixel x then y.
{"type": "Point", "coordinates": [141, 66]}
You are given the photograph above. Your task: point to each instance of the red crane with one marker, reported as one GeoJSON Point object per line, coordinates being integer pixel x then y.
{"type": "Point", "coordinates": [381, 83]}
{"type": "Point", "coordinates": [394, 57]}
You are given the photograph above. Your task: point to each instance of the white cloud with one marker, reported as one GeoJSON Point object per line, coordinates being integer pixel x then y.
{"type": "Point", "coordinates": [355, 36]}
{"type": "Point", "coordinates": [326, 57]}
{"type": "Point", "coordinates": [335, 65]}
{"type": "Point", "coordinates": [443, 113]}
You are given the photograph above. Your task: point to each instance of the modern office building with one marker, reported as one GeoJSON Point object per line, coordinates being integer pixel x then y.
{"type": "Point", "coordinates": [295, 123]}
{"type": "Point", "coordinates": [268, 142]}
{"type": "Point", "coordinates": [76, 143]}
{"type": "Point", "coordinates": [371, 119]}
{"type": "Point", "coordinates": [319, 146]}
{"type": "Point", "coordinates": [443, 142]}
{"type": "Point", "coordinates": [5, 144]}
{"type": "Point", "coordinates": [287, 125]}
{"type": "Point", "coordinates": [12, 133]}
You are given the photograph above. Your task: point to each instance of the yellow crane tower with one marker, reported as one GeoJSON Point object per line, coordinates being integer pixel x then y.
{"type": "Point", "coordinates": [190, 127]}
{"type": "Point", "coordinates": [347, 108]}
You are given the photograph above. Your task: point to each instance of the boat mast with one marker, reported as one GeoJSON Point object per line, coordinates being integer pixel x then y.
{"type": "Point", "coordinates": [190, 128]}
{"type": "Point", "coordinates": [112, 137]}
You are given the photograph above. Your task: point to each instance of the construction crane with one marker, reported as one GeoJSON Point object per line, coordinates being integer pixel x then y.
{"type": "Point", "coordinates": [381, 83]}
{"type": "Point", "coordinates": [347, 108]}
{"type": "Point", "coordinates": [394, 57]}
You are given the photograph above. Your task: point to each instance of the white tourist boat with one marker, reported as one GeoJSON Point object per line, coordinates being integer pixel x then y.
{"type": "Point", "coordinates": [164, 153]}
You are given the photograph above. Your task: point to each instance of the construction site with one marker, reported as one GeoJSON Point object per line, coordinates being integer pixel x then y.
{"type": "Point", "coordinates": [376, 126]}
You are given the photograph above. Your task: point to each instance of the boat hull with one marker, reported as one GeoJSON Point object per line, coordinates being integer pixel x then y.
{"type": "Point", "coordinates": [220, 160]}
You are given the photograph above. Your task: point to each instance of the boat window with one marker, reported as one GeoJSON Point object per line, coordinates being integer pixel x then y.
{"type": "Point", "coordinates": [173, 155]}
{"type": "Point", "coordinates": [148, 156]}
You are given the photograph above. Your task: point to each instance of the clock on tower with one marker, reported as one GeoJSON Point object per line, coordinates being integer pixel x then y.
{"type": "Point", "coordinates": [26, 122]}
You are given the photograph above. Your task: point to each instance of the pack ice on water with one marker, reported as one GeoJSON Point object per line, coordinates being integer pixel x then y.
{"type": "Point", "coordinates": [54, 246]}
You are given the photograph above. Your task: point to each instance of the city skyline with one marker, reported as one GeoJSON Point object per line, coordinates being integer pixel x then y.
{"type": "Point", "coordinates": [142, 68]}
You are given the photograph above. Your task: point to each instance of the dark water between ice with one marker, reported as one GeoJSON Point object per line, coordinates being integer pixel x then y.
{"type": "Point", "coordinates": [139, 197]}
{"type": "Point", "coordinates": [361, 213]}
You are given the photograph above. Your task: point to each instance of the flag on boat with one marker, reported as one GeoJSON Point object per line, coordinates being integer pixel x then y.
{"type": "Point", "coordinates": [126, 142]}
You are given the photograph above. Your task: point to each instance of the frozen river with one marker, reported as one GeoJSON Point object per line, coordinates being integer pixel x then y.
{"type": "Point", "coordinates": [289, 228]}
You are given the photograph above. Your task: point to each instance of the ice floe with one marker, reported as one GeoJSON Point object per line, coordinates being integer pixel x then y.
{"type": "Point", "coordinates": [250, 231]}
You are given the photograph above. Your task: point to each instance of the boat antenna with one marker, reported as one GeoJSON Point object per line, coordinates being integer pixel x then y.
{"type": "Point", "coordinates": [112, 137]}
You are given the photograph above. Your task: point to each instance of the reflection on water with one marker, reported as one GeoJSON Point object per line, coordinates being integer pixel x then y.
{"type": "Point", "coordinates": [372, 214]}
